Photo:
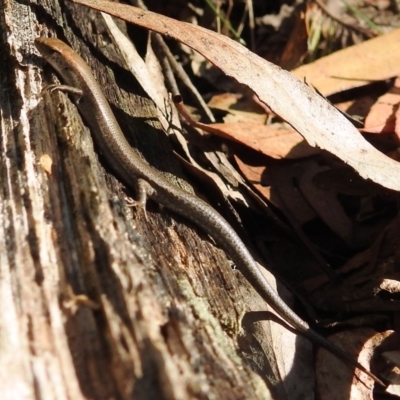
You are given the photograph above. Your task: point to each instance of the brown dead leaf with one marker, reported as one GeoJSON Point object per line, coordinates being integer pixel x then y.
{"type": "Point", "coordinates": [273, 142]}
{"type": "Point", "coordinates": [384, 116]}
{"type": "Point", "coordinates": [337, 382]}
{"type": "Point", "coordinates": [373, 60]}
{"type": "Point", "coordinates": [296, 46]}
{"type": "Point", "coordinates": [306, 111]}
{"type": "Point", "coordinates": [254, 175]}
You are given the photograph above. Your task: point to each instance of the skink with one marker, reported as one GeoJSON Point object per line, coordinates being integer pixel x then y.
{"type": "Point", "coordinates": [130, 167]}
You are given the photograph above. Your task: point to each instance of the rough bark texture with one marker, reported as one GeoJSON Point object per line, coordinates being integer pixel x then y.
{"type": "Point", "coordinates": [98, 301]}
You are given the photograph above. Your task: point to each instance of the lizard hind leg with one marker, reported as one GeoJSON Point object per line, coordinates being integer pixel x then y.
{"type": "Point", "coordinates": [143, 192]}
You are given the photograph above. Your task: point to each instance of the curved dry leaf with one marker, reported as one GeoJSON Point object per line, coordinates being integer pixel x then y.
{"type": "Point", "coordinates": [370, 61]}
{"type": "Point", "coordinates": [315, 119]}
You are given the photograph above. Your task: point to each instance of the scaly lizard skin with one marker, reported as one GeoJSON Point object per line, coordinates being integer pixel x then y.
{"type": "Point", "coordinates": [130, 167]}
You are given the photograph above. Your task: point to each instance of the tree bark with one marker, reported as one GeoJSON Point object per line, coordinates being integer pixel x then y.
{"type": "Point", "coordinates": [98, 300]}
